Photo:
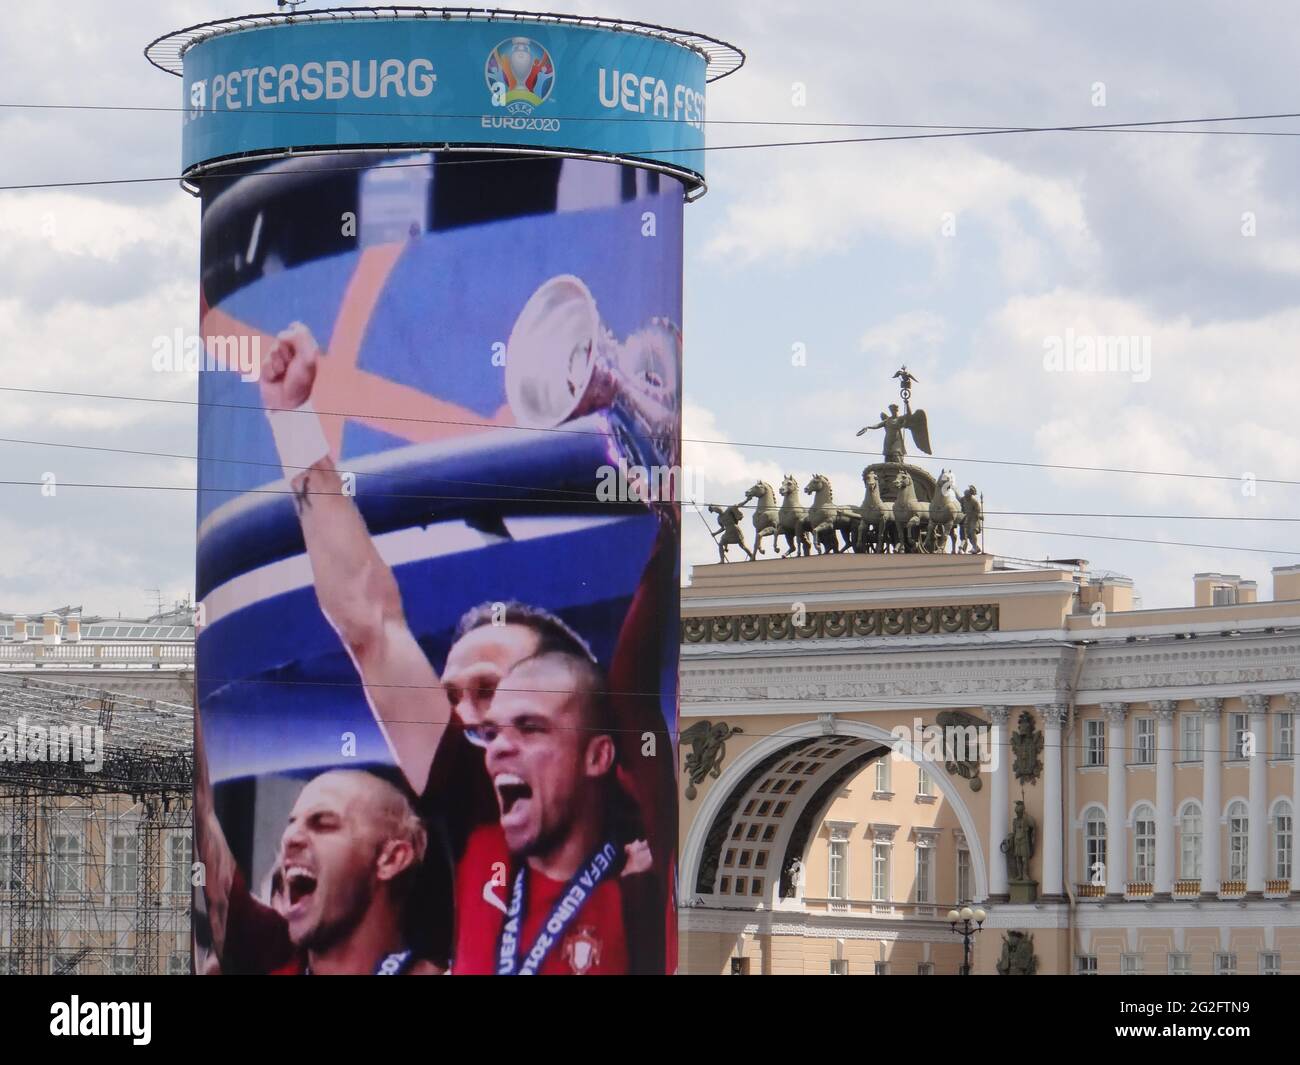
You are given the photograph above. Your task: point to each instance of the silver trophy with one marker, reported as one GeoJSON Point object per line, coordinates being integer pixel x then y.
{"type": "Point", "coordinates": [562, 363]}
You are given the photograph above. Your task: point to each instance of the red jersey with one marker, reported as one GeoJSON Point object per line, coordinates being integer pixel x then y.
{"type": "Point", "coordinates": [594, 942]}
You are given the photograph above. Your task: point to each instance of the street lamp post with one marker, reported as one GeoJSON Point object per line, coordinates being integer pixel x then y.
{"type": "Point", "coordinates": [961, 924]}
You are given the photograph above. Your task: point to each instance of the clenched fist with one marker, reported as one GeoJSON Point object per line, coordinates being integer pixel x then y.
{"type": "Point", "coordinates": [289, 372]}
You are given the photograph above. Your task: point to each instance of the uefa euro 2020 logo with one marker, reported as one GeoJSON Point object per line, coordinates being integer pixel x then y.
{"type": "Point", "coordinates": [519, 74]}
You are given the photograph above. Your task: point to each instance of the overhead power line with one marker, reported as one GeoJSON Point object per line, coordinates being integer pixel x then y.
{"type": "Point", "coordinates": [476, 424]}
{"type": "Point", "coordinates": [664, 120]}
{"type": "Point", "coordinates": [592, 502]}
{"type": "Point", "coordinates": [524, 152]}
{"type": "Point", "coordinates": [570, 496]}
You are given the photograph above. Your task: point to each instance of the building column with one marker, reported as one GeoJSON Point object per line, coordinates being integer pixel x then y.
{"type": "Point", "coordinates": [1293, 704]}
{"type": "Point", "coordinates": [1211, 792]}
{"type": "Point", "coordinates": [999, 794]}
{"type": "Point", "coordinates": [1054, 715]}
{"type": "Point", "coordinates": [1257, 837]}
{"type": "Point", "coordinates": [1164, 710]}
{"type": "Point", "coordinates": [1116, 791]}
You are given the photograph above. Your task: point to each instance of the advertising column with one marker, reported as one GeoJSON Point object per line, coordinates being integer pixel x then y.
{"type": "Point", "coordinates": [437, 542]}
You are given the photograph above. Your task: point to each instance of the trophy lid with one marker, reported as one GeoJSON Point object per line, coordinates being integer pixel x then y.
{"type": "Point", "coordinates": [551, 352]}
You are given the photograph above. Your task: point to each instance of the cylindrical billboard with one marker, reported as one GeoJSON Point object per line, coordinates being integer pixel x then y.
{"type": "Point", "coordinates": [439, 435]}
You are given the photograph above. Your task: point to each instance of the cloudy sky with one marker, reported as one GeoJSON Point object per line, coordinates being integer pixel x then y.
{"type": "Point", "coordinates": [963, 258]}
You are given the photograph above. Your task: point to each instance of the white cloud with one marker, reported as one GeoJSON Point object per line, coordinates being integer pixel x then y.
{"type": "Point", "coordinates": [904, 335]}
{"type": "Point", "coordinates": [828, 203]}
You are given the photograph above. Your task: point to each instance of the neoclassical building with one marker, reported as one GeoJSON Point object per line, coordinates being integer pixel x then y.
{"type": "Point", "coordinates": [1154, 752]}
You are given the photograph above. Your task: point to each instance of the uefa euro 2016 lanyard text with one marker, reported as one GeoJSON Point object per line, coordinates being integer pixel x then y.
{"type": "Point", "coordinates": [566, 909]}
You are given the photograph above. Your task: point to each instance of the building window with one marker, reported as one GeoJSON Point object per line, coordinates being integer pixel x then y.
{"type": "Point", "coordinates": [839, 967]}
{"type": "Point", "coordinates": [1145, 729]}
{"type": "Point", "coordinates": [1180, 965]}
{"type": "Point", "coordinates": [1270, 963]}
{"type": "Point", "coordinates": [123, 965]}
{"type": "Point", "coordinates": [1085, 965]}
{"type": "Point", "coordinates": [1144, 844]}
{"type": "Point", "coordinates": [1193, 733]}
{"type": "Point", "coordinates": [1240, 726]}
{"type": "Point", "coordinates": [882, 968]}
{"type": "Point", "coordinates": [925, 968]}
{"type": "Point", "coordinates": [880, 872]}
{"type": "Point", "coordinates": [67, 862]}
{"type": "Point", "coordinates": [8, 874]}
{"type": "Point", "coordinates": [1282, 841]}
{"type": "Point", "coordinates": [178, 965]}
{"type": "Point", "coordinates": [965, 878]}
{"type": "Point", "coordinates": [1094, 838]}
{"type": "Point", "coordinates": [836, 888]}
{"type": "Point", "coordinates": [1225, 965]}
{"type": "Point", "coordinates": [924, 874]}
{"type": "Point", "coordinates": [1190, 843]}
{"type": "Point", "coordinates": [124, 863]}
{"type": "Point", "coordinates": [1238, 837]}
{"type": "Point", "coordinates": [1285, 735]}
{"type": "Point", "coordinates": [1094, 737]}
{"type": "Point", "coordinates": [1225, 595]}
{"type": "Point", "coordinates": [924, 785]}
{"type": "Point", "coordinates": [1131, 965]}
{"type": "Point", "coordinates": [882, 774]}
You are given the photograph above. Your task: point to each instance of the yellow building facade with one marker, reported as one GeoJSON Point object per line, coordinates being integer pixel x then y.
{"type": "Point", "coordinates": [829, 826]}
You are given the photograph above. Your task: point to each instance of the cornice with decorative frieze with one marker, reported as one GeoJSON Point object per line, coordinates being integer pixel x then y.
{"type": "Point", "coordinates": [952, 679]}
{"type": "Point", "coordinates": [820, 926]}
{"type": "Point", "coordinates": [836, 624]}
{"type": "Point", "coordinates": [972, 675]}
{"type": "Point", "coordinates": [1227, 663]}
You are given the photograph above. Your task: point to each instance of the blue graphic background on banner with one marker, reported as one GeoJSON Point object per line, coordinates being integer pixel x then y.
{"type": "Point", "coordinates": [367, 82]}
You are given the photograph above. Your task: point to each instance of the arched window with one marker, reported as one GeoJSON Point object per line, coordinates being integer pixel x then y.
{"type": "Point", "coordinates": [1282, 840]}
{"type": "Point", "coordinates": [1144, 844]}
{"type": "Point", "coordinates": [1094, 846]}
{"type": "Point", "coordinates": [1190, 837]}
{"type": "Point", "coordinates": [1238, 836]}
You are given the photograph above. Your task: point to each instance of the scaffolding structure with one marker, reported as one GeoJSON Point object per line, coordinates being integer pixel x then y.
{"type": "Point", "coordinates": [95, 860]}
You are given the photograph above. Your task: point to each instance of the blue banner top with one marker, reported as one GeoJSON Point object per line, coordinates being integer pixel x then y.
{"type": "Point", "coordinates": [272, 86]}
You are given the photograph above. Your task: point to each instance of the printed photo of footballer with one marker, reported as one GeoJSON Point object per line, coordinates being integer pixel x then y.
{"type": "Point", "coordinates": [437, 674]}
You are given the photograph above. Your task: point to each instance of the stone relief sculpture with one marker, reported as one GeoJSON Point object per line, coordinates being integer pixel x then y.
{"type": "Point", "coordinates": [1026, 749]}
{"type": "Point", "coordinates": [1017, 957]}
{"type": "Point", "coordinates": [708, 743]}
